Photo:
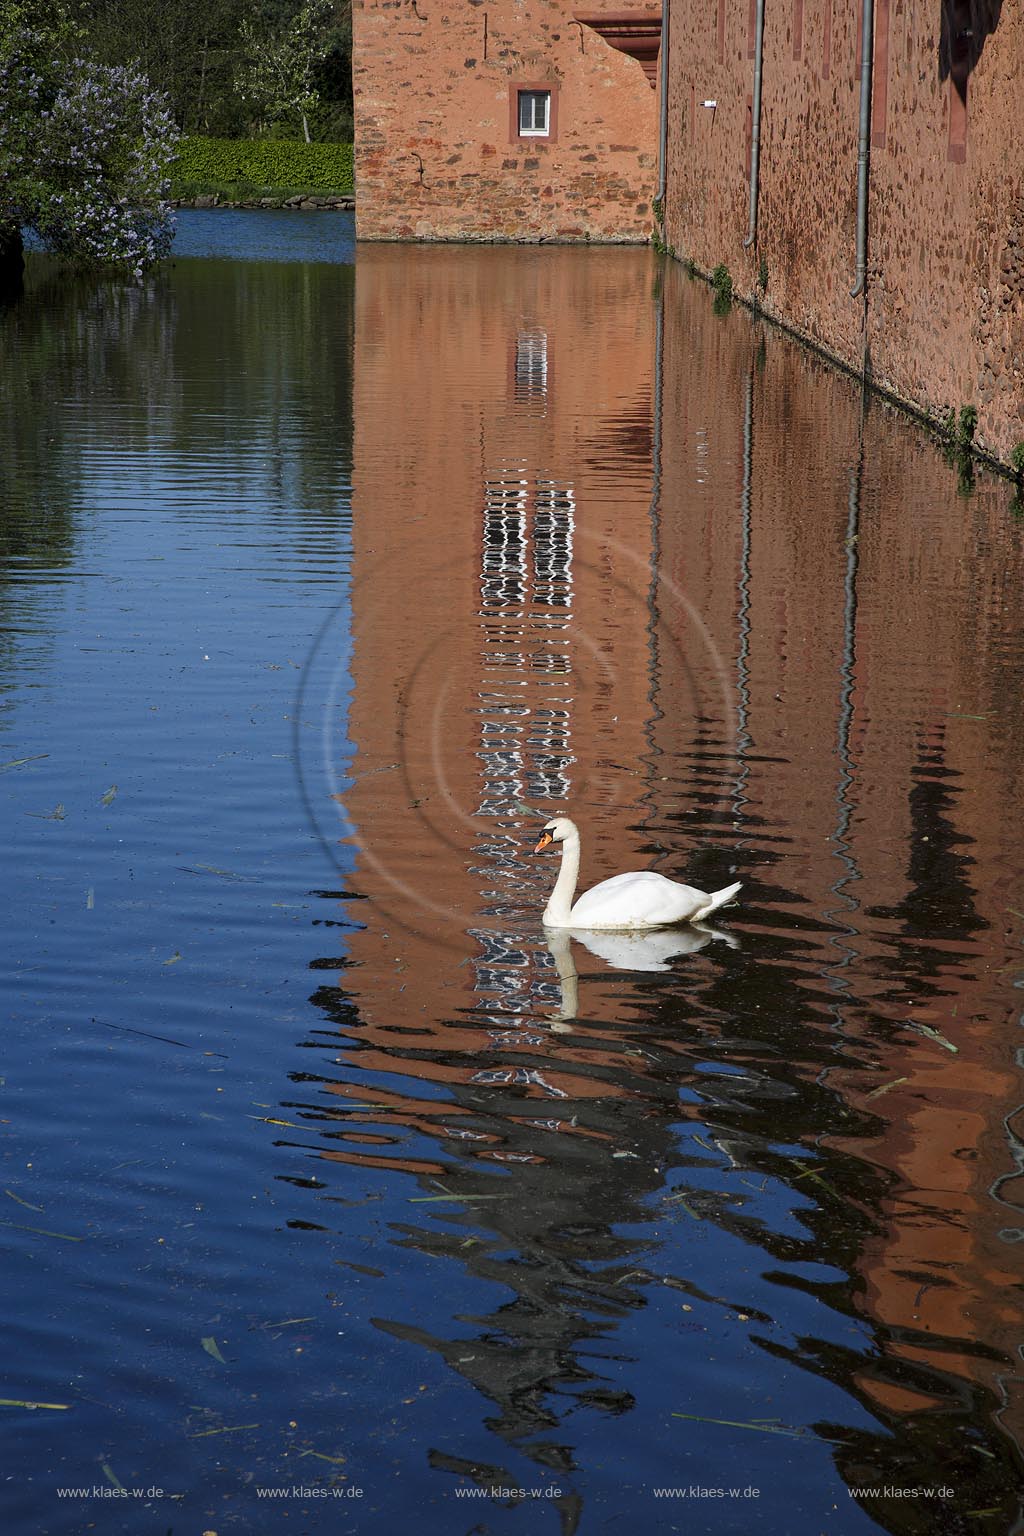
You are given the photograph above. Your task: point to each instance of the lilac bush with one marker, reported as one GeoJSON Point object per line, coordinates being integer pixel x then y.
{"type": "Point", "coordinates": [85, 150]}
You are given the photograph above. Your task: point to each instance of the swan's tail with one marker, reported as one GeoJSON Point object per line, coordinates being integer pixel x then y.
{"type": "Point", "coordinates": [715, 900]}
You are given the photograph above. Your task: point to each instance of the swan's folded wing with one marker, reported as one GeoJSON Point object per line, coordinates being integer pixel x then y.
{"type": "Point", "coordinates": [640, 900]}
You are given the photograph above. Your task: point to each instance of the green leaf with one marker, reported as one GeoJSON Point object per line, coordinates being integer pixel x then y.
{"type": "Point", "coordinates": [11, 1195]}
{"type": "Point", "coordinates": [40, 1231]}
{"type": "Point", "coordinates": [229, 1429]}
{"type": "Point", "coordinates": [763, 1425]}
{"type": "Point", "coordinates": [16, 762]}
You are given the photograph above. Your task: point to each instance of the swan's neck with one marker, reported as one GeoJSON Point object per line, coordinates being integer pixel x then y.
{"type": "Point", "coordinates": [558, 909]}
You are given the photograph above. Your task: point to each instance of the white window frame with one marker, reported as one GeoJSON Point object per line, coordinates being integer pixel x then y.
{"type": "Point", "coordinates": [534, 97]}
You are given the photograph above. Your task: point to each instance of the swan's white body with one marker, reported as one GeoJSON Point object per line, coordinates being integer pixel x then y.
{"type": "Point", "coordinates": [640, 900]}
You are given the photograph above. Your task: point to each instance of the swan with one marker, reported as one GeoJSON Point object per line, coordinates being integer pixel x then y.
{"type": "Point", "coordinates": [642, 899]}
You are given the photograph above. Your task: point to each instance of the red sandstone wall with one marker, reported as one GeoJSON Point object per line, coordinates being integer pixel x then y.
{"type": "Point", "coordinates": [435, 154]}
{"type": "Point", "coordinates": [944, 321]}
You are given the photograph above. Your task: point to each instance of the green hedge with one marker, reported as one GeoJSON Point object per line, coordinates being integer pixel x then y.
{"type": "Point", "coordinates": [265, 163]}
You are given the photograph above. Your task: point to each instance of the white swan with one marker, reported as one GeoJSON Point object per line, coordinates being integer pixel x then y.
{"type": "Point", "coordinates": [640, 900]}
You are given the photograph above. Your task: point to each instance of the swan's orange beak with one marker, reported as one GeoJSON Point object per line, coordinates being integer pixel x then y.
{"type": "Point", "coordinates": [545, 841]}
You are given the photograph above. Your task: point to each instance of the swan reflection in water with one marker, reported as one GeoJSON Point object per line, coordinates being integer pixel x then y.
{"type": "Point", "coordinates": [645, 950]}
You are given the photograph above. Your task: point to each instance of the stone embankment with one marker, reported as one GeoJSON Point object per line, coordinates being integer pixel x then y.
{"type": "Point", "coordinates": [302, 201]}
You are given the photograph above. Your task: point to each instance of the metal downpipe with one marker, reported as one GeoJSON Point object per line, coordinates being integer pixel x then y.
{"type": "Point", "coordinates": [867, 55]}
{"type": "Point", "coordinates": [659, 196]}
{"type": "Point", "coordinates": [755, 140]}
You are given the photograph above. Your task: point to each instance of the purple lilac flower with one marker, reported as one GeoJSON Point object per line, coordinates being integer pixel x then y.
{"type": "Point", "coordinates": [84, 157]}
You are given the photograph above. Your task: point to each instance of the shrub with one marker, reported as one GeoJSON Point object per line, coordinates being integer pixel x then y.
{"type": "Point", "coordinates": [84, 149]}
{"type": "Point", "coordinates": [721, 281]}
{"type": "Point", "coordinates": [967, 425]}
{"type": "Point", "coordinates": [264, 163]}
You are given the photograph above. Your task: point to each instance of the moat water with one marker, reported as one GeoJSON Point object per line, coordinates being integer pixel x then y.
{"type": "Point", "coordinates": [338, 1194]}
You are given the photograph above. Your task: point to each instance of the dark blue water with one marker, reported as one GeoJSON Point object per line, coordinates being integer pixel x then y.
{"type": "Point", "coordinates": [336, 1197]}
{"type": "Point", "coordinates": [272, 235]}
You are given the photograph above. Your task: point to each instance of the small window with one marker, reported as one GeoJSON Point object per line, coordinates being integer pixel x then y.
{"type": "Point", "coordinates": [534, 114]}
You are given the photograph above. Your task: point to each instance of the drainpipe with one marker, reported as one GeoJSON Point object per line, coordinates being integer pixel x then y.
{"type": "Point", "coordinates": [663, 113]}
{"type": "Point", "coordinates": [755, 141]}
{"type": "Point", "coordinates": [866, 62]}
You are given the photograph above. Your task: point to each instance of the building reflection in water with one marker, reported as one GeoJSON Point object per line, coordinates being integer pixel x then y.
{"type": "Point", "coordinates": [568, 532]}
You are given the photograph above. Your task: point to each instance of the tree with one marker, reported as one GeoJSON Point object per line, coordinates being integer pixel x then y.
{"type": "Point", "coordinates": [84, 148]}
{"type": "Point", "coordinates": [279, 69]}
{"type": "Point", "coordinates": [193, 51]}
{"type": "Point", "coordinates": [186, 48]}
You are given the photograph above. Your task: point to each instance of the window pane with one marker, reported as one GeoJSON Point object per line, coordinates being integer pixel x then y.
{"type": "Point", "coordinates": [533, 111]}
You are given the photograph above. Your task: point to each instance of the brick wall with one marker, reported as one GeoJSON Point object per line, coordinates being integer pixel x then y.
{"type": "Point", "coordinates": [943, 323]}
{"type": "Point", "coordinates": [437, 153]}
